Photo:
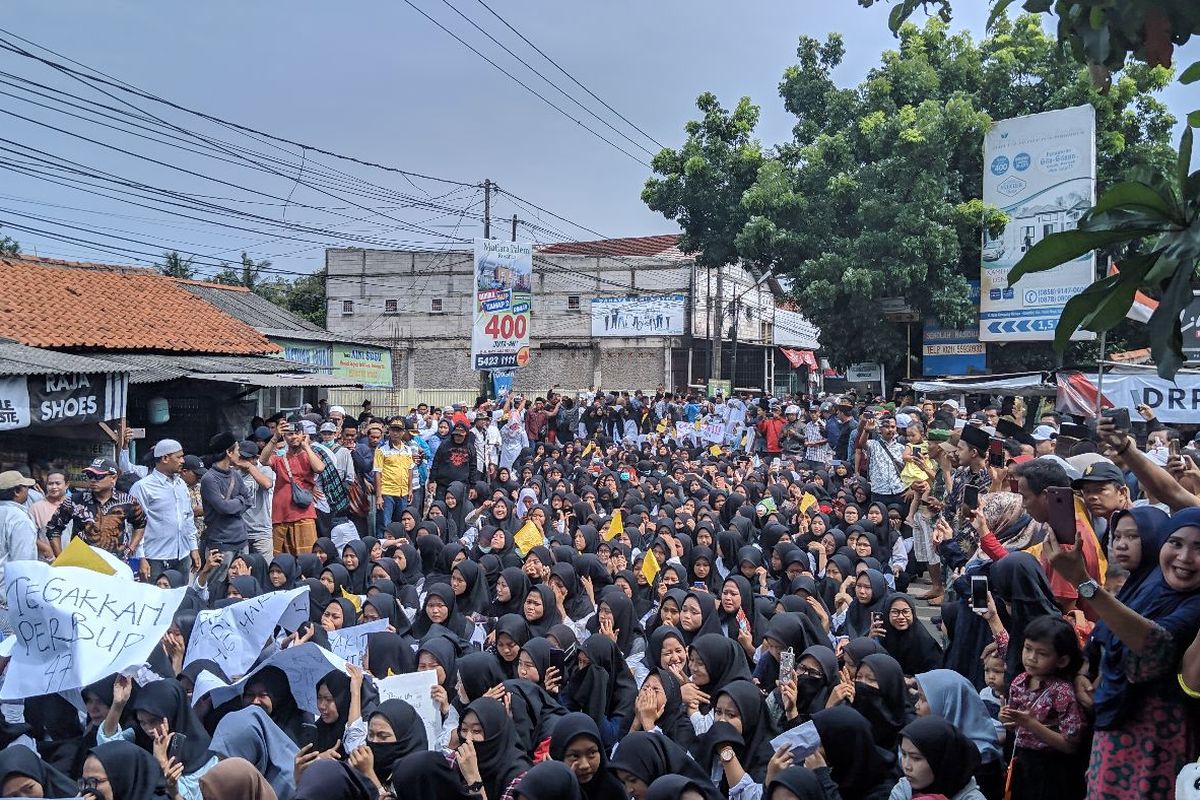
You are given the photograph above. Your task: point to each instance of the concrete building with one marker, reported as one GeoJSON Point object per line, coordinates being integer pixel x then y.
{"type": "Point", "coordinates": [421, 304]}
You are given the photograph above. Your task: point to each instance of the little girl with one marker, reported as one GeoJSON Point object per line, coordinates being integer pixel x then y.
{"type": "Point", "coordinates": [1042, 708]}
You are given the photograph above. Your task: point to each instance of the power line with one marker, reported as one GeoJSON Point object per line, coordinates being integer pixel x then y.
{"type": "Point", "coordinates": [594, 96]}
{"type": "Point", "coordinates": [524, 85]}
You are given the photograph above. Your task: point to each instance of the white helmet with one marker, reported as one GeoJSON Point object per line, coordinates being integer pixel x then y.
{"type": "Point", "coordinates": [792, 409]}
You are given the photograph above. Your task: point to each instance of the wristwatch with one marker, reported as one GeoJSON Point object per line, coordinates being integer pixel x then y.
{"type": "Point", "coordinates": [727, 755]}
{"type": "Point", "coordinates": [1087, 590]}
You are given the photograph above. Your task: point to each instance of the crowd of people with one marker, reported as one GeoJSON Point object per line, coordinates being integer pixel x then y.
{"type": "Point", "coordinates": [640, 596]}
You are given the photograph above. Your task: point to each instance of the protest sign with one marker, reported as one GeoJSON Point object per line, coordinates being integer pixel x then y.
{"type": "Point", "coordinates": [234, 636]}
{"type": "Point", "coordinates": [296, 614]}
{"type": "Point", "coordinates": [713, 431]}
{"type": "Point", "coordinates": [413, 688]}
{"type": "Point", "coordinates": [74, 626]}
{"type": "Point", "coordinates": [205, 683]}
{"type": "Point", "coordinates": [350, 643]}
{"type": "Point", "coordinates": [303, 664]}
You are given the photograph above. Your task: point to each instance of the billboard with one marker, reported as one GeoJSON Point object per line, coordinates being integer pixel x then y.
{"type": "Point", "coordinates": [1041, 171]}
{"type": "Point", "coordinates": [503, 296]}
{"type": "Point", "coordinates": [953, 351]}
{"type": "Point", "coordinates": [644, 315]}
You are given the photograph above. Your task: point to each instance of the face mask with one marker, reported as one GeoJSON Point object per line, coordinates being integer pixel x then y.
{"type": "Point", "coordinates": [624, 476]}
{"type": "Point", "coordinates": [386, 754]}
{"type": "Point", "coordinates": [807, 687]}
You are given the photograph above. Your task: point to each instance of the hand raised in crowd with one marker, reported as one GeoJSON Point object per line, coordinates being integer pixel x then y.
{"type": "Point", "coordinates": [363, 760]}
{"type": "Point", "coordinates": [649, 707]}
{"type": "Point", "coordinates": [468, 762]}
{"type": "Point", "coordinates": [843, 692]}
{"type": "Point", "coordinates": [308, 755]}
{"type": "Point", "coordinates": [787, 693]}
{"type": "Point", "coordinates": [607, 629]}
{"type": "Point", "coordinates": [438, 693]}
{"type": "Point", "coordinates": [781, 760]}
{"type": "Point", "coordinates": [552, 680]}
{"type": "Point", "coordinates": [1067, 561]}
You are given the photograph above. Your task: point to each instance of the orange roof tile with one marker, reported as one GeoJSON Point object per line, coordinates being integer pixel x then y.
{"type": "Point", "coordinates": [49, 303]}
{"type": "Point", "coordinates": [666, 245]}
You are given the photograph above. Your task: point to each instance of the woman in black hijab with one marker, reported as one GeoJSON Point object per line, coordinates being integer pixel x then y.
{"type": "Point", "coordinates": [283, 572]}
{"type": "Point", "coordinates": [540, 609]}
{"type": "Point", "coordinates": [486, 723]}
{"type": "Point", "coordinates": [131, 772]}
{"type": "Point", "coordinates": [698, 616]}
{"type": "Point", "coordinates": [336, 579]}
{"type": "Point", "coordinates": [166, 700]}
{"type": "Point", "coordinates": [802, 783]}
{"type": "Point", "coordinates": [357, 561]}
{"type": "Point", "coordinates": [511, 588]}
{"type": "Point", "coordinates": [394, 731]}
{"type": "Point", "coordinates": [741, 722]}
{"type": "Point", "coordinates": [576, 602]}
{"type": "Point", "coordinates": [881, 696]}
{"type": "Point", "coordinates": [269, 688]}
{"type": "Point", "coordinates": [22, 773]}
{"type": "Point", "coordinates": [409, 561]}
{"type": "Point", "coordinates": [470, 588]}
{"type": "Point", "coordinates": [869, 595]}
{"type": "Point", "coordinates": [714, 661]}
{"type": "Point", "coordinates": [950, 757]}
{"type": "Point", "coordinates": [326, 550]}
{"type": "Point", "coordinates": [429, 776]}
{"type": "Point", "coordinates": [445, 612]}
{"type": "Point", "coordinates": [389, 654]}
{"type": "Point", "coordinates": [333, 706]}
{"type": "Point", "coordinates": [477, 673]}
{"type": "Point", "coordinates": [645, 757]}
{"type": "Point", "coordinates": [906, 639]}
{"type": "Point", "coordinates": [548, 780]}
{"type": "Point", "coordinates": [330, 779]}
{"type": "Point", "coordinates": [576, 742]}
{"type": "Point", "coordinates": [603, 688]}
{"type": "Point", "coordinates": [857, 768]}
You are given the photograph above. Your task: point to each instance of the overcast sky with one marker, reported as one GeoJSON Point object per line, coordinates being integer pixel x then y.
{"type": "Point", "coordinates": [381, 82]}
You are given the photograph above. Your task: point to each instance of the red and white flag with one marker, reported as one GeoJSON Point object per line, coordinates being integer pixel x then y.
{"type": "Point", "coordinates": [1143, 305]}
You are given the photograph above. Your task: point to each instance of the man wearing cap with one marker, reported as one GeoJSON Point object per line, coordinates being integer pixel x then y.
{"type": "Point", "coordinates": [101, 516]}
{"type": "Point", "coordinates": [1104, 493]}
{"type": "Point", "coordinates": [170, 540]}
{"type": "Point", "coordinates": [454, 460]}
{"type": "Point", "coordinates": [293, 526]}
{"type": "Point", "coordinates": [259, 481]}
{"type": "Point", "coordinates": [972, 451]}
{"type": "Point", "coordinates": [1043, 440]}
{"type": "Point", "coordinates": [192, 471]}
{"type": "Point", "coordinates": [225, 499]}
{"type": "Point", "coordinates": [393, 469]}
{"type": "Point", "coordinates": [18, 534]}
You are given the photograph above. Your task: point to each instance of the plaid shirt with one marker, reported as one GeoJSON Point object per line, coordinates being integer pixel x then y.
{"type": "Point", "coordinates": [106, 525]}
{"type": "Point", "coordinates": [331, 482]}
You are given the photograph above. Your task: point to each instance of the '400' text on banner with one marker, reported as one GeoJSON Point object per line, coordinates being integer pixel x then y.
{"type": "Point", "coordinates": [74, 626]}
{"type": "Point", "coordinates": [502, 298]}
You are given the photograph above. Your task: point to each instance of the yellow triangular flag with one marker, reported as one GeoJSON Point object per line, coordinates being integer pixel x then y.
{"type": "Point", "coordinates": [616, 526]}
{"type": "Point", "coordinates": [527, 538]}
{"type": "Point", "coordinates": [807, 501]}
{"type": "Point", "coordinates": [590, 447]}
{"type": "Point", "coordinates": [650, 567]}
{"type": "Point", "coordinates": [79, 553]}
{"type": "Point", "coordinates": [662, 425]}
{"type": "Point", "coordinates": [715, 450]}
{"type": "Point", "coordinates": [355, 601]}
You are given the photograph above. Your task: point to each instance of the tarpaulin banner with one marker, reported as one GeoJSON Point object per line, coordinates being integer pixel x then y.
{"type": "Point", "coordinates": [503, 300]}
{"type": "Point", "coordinates": [1172, 403]}
{"type": "Point", "coordinates": [68, 399]}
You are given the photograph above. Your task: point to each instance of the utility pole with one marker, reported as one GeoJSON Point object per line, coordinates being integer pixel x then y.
{"type": "Point", "coordinates": [487, 208]}
{"type": "Point", "coordinates": [718, 333]}
{"type": "Point", "coordinates": [514, 227]}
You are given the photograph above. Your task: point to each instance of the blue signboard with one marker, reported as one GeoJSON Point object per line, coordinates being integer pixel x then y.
{"type": "Point", "coordinates": [947, 351]}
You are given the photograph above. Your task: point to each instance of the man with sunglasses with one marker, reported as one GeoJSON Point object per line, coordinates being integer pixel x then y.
{"type": "Point", "coordinates": [102, 516]}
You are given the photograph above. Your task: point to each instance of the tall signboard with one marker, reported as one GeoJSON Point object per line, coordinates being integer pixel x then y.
{"type": "Point", "coordinates": [1041, 171]}
{"type": "Point", "coordinates": [503, 295]}
{"type": "Point", "coordinates": [953, 351]}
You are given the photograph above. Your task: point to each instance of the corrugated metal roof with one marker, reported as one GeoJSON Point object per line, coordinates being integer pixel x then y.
{"type": "Point", "coordinates": [158, 367]}
{"type": "Point", "coordinates": [19, 359]}
{"type": "Point", "coordinates": [266, 317]}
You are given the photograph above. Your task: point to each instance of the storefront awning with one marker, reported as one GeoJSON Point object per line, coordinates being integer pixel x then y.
{"type": "Point", "coordinates": [1021, 383]}
{"type": "Point", "coordinates": [269, 380]}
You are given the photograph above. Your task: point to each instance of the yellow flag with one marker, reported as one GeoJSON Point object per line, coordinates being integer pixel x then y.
{"type": "Point", "coordinates": [79, 553]}
{"type": "Point", "coordinates": [650, 567]}
{"type": "Point", "coordinates": [616, 526]}
{"type": "Point", "coordinates": [807, 501]}
{"type": "Point", "coordinates": [662, 425]}
{"type": "Point", "coordinates": [715, 450]}
{"type": "Point", "coordinates": [527, 538]}
{"type": "Point", "coordinates": [590, 447]}
{"type": "Point", "coordinates": [355, 601]}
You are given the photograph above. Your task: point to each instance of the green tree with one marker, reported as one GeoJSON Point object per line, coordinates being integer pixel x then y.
{"type": "Point", "coordinates": [175, 266]}
{"type": "Point", "coordinates": [306, 297]}
{"type": "Point", "coordinates": [877, 194]}
{"type": "Point", "coordinates": [9, 247]}
{"type": "Point", "coordinates": [247, 274]}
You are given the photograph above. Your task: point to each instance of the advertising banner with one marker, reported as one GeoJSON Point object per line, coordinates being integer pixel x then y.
{"type": "Point", "coordinates": [503, 297]}
{"type": "Point", "coordinates": [646, 315]}
{"type": "Point", "coordinates": [70, 399]}
{"type": "Point", "coordinates": [1041, 171]}
{"type": "Point", "coordinates": [1172, 403]}
{"type": "Point", "coordinates": [370, 366]}
{"type": "Point", "coordinates": [953, 351]}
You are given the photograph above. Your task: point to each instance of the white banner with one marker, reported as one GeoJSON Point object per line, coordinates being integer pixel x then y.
{"type": "Point", "coordinates": [413, 688]}
{"type": "Point", "coordinates": [1172, 403]}
{"type": "Point", "coordinates": [648, 315]}
{"type": "Point", "coordinates": [713, 431]}
{"type": "Point", "coordinates": [234, 636]}
{"type": "Point", "coordinates": [502, 301]}
{"type": "Point", "coordinates": [304, 665]}
{"type": "Point", "coordinates": [350, 643]}
{"type": "Point", "coordinates": [1041, 171]}
{"type": "Point", "coordinates": [73, 626]}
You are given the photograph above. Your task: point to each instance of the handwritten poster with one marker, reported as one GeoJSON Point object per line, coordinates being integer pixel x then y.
{"type": "Point", "coordinates": [234, 636]}
{"type": "Point", "coordinates": [413, 688]}
{"type": "Point", "coordinates": [350, 643]}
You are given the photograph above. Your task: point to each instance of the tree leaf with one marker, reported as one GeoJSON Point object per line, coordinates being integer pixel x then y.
{"type": "Point", "coordinates": [1191, 74]}
{"type": "Point", "coordinates": [1166, 339]}
{"type": "Point", "coordinates": [1059, 248]}
{"type": "Point", "coordinates": [1132, 193]}
{"type": "Point", "coordinates": [1194, 119]}
{"type": "Point", "coordinates": [998, 9]}
{"type": "Point", "coordinates": [1185, 163]}
{"type": "Point", "coordinates": [1083, 305]}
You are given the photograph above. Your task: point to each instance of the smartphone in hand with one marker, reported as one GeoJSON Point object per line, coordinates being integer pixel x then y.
{"type": "Point", "coordinates": [1060, 504]}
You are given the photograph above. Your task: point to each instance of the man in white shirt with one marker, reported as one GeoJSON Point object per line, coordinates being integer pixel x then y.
{"type": "Point", "coordinates": [18, 534]}
{"type": "Point", "coordinates": [170, 539]}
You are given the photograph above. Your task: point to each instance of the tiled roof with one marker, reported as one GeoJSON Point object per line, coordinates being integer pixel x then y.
{"type": "Point", "coordinates": [664, 246]}
{"type": "Point", "coordinates": [47, 303]}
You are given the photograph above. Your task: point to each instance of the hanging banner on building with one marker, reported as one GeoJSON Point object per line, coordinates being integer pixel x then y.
{"type": "Point", "coordinates": [1041, 171]}
{"type": "Point", "coordinates": [502, 381]}
{"type": "Point", "coordinates": [503, 297]}
{"type": "Point", "coordinates": [1172, 403]}
{"type": "Point", "coordinates": [645, 315]}
{"type": "Point", "coordinates": [370, 366]}
{"type": "Point", "coordinates": [68, 399]}
{"type": "Point", "coordinates": [799, 358]}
